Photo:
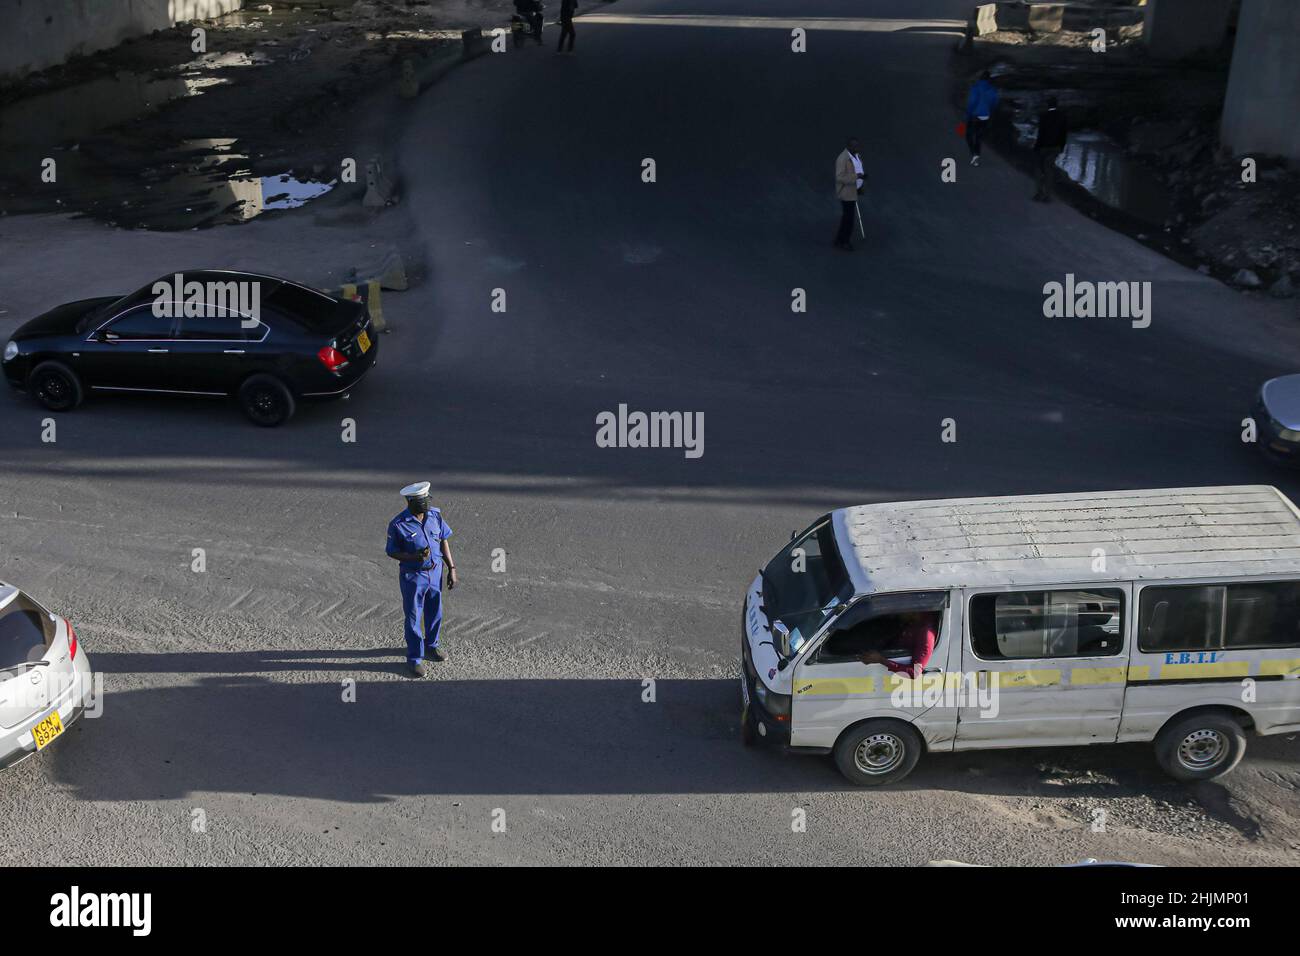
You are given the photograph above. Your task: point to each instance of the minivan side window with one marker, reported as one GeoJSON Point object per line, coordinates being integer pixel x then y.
{"type": "Point", "coordinates": [879, 623]}
{"type": "Point", "coordinates": [1023, 625]}
{"type": "Point", "coordinates": [1219, 616]}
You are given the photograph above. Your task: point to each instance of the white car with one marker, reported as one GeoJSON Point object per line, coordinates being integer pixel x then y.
{"type": "Point", "coordinates": [45, 678]}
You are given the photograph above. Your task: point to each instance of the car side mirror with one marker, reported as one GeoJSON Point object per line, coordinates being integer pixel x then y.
{"type": "Point", "coordinates": [103, 336]}
{"type": "Point", "coordinates": [782, 634]}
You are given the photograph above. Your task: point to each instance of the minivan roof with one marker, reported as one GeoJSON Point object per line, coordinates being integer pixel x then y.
{"type": "Point", "coordinates": [1165, 533]}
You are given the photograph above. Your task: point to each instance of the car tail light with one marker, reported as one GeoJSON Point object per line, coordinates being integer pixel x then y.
{"type": "Point", "coordinates": [332, 358]}
{"type": "Point", "coordinates": [72, 639]}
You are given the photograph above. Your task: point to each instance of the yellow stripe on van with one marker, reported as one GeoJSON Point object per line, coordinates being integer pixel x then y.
{"type": "Point", "coordinates": [1202, 671]}
{"type": "Point", "coordinates": [1139, 672]}
{"type": "Point", "coordinates": [1278, 668]}
{"type": "Point", "coordinates": [1081, 676]}
{"type": "Point", "coordinates": [836, 686]}
{"type": "Point", "coordinates": [1041, 677]}
{"type": "Point", "coordinates": [928, 681]}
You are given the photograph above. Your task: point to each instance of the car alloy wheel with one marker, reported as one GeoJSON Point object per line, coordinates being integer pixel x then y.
{"type": "Point", "coordinates": [265, 405]}
{"type": "Point", "coordinates": [53, 390]}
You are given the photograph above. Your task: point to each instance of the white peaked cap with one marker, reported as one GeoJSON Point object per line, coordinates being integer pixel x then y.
{"type": "Point", "coordinates": [416, 490]}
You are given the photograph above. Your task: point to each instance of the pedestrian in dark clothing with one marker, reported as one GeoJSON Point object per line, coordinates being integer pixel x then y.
{"type": "Point", "coordinates": [531, 12]}
{"type": "Point", "coordinates": [567, 10]}
{"type": "Point", "coordinates": [1053, 131]}
{"type": "Point", "coordinates": [981, 103]}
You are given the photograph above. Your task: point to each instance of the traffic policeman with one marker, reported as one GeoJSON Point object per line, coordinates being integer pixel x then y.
{"type": "Point", "coordinates": [417, 540]}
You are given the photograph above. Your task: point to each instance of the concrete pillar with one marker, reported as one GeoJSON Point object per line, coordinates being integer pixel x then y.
{"type": "Point", "coordinates": [1174, 29]}
{"type": "Point", "coordinates": [1262, 111]}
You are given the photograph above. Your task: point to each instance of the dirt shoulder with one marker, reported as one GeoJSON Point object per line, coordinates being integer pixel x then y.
{"type": "Point", "coordinates": [154, 134]}
{"type": "Point", "coordinates": [1145, 155]}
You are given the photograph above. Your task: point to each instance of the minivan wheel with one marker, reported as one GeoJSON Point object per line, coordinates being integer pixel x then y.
{"type": "Point", "coordinates": [878, 752]}
{"type": "Point", "coordinates": [1201, 747]}
{"type": "Point", "coordinates": [266, 401]}
{"type": "Point", "coordinates": [55, 386]}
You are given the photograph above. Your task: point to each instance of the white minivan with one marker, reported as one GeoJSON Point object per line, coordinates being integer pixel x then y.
{"type": "Point", "coordinates": [45, 678]}
{"type": "Point", "coordinates": [1168, 615]}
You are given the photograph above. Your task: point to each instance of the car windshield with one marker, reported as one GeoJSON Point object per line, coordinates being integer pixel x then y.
{"type": "Point", "coordinates": [804, 583]}
{"type": "Point", "coordinates": [95, 316]}
{"type": "Point", "coordinates": [26, 632]}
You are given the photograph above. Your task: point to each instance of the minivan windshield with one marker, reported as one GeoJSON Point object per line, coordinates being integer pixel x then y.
{"type": "Point", "coordinates": [26, 632]}
{"type": "Point", "coordinates": [805, 582]}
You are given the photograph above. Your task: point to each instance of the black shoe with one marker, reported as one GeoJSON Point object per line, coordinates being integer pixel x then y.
{"type": "Point", "coordinates": [417, 669]}
{"type": "Point", "coordinates": [436, 654]}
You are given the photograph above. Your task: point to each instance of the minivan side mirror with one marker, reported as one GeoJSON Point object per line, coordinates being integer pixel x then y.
{"type": "Point", "coordinates": [782, 635]}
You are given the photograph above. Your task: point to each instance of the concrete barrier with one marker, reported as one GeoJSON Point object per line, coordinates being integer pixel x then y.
{"type": "Point", "coordinates": [369, 292]}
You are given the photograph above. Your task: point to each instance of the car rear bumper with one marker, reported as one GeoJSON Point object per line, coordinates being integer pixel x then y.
{"type": "Point", "coordinates": [17, 743]}
{"type": "Point", "coordinates": [21, 752]}
{"type": "Point", "coordinates": [346, 382]}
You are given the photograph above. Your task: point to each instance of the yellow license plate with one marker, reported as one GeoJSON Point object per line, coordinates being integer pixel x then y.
{"type": "Point", "coordinates": [364, 341]}
{"type": "Point", "coordinates": [47, 730]}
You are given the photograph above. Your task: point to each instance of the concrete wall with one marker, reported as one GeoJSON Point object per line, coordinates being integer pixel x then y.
{"type": "Point", "coordinates": [1177, 28]}
{"type": "Point", "coordinates": [1262, 110]}
{"type": "Point", "coordinates": [40, 33]}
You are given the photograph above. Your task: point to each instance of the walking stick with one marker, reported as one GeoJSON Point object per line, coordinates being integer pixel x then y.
{"type": "Point", "coordinates": [861, 228]}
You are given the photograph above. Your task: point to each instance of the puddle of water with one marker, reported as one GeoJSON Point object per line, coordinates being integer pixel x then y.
{"type": "Point", "coordinates": [1101, 166]}
{"type": "Point", "coordinates": [107, 175]}
{"type": "Point", "coordinates": [1095, 162]}
{"type": "Point", "coordinates": [209, 183]}
{"type": "Point", "coordinates": [285, 192]}
{"type": "Point", "coordinates": [63, 117]}
{"type": "Point", "coordinates": [227, 60]}
{"type": "Point", "coordinates": [107, 171]}
{"type": "Point", "coordinates": [199, 183]}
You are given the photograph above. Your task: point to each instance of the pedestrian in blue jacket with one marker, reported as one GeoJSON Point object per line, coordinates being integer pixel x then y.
{"type": "Point", "coordinates": [981, 103]}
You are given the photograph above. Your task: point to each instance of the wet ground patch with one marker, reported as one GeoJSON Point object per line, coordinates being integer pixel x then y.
{"type": "Point", "coordinates": [151, 134]}
{"type": "Point", "coordinates": [1144, 156]}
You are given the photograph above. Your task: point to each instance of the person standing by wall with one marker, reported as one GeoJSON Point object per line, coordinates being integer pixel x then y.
{"type": "Point", "coordinates": [1053, 132]}
{"type": "Point", "coordinates": [981, 103]}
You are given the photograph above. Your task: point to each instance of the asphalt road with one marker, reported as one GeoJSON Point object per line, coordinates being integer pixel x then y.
{"type": "Point", "coordinates": [523, 173]}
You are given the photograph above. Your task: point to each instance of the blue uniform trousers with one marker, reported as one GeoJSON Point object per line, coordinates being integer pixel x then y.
{"type": "Point", "coordinates": [422, 605]}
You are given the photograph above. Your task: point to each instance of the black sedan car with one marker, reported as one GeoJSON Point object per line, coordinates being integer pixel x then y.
{"type": "Point", "coordinates": [267, 341]}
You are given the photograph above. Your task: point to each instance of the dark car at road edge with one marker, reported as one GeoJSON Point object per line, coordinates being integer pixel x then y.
{"type": "Point", "coordinates": [274, 344]}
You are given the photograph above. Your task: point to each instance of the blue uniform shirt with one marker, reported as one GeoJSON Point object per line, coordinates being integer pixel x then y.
{"type": "Point", "coordinates": [407, 533]}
